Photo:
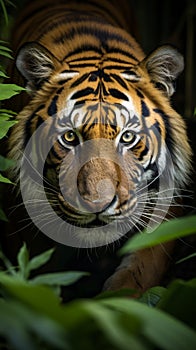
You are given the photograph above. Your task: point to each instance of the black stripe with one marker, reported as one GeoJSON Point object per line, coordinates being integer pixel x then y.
{"type": "Point", "coordinates": [145, 109]}
{"type": "Point", "coordinates": [122, 52]}
{"type": "Point", "coordinates": [120, 80]}
{"type": "Point", "coordinates": [169, 134]}
{"type": "Point", "coordinates": [55, 154]}
{"type": "Point", "coordinates": [64, 81]}
{"type": "Point", "coordinates": [28, 131]}
{"type": "Point", "coordinates": [105, 93]}
{"type": "Point", "coordinates": [82, 65]}
{"type": "Point", "coordinates": [60, 90]}
{"type": "Point", "coordinates": [82, 93]}
{"type": "Point", "coordinates": [117, 67]}
{"type": "Point", "coordinates": [138, 92]}
{"type": "Point", "coordinates": [80, 80]}
{"type": "Point", "coordinates": [101, 34]}
{"type": "Point", "coordinates": [71, 18]}
{"type": "Point", "coordinates": [89, 58]}
{"type": "Point", "coordinates": [81, 49]}
{"type": "Point", "coordinates": [52, 109]}
{"type": "Point", "coordinates": [118, 94]}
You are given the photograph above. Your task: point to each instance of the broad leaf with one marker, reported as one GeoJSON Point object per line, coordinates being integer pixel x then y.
{"type": "Point", "coordinates": [5, 54]}
{"type": "Point", "coordinates": [167, 231]}
{"type": "Point", "coordinates": [9, 90]}
{"type": "Point", "coordinates": [59, 278]}
{"type": "Point", "coordinates": [23, 259]}
{"type": "Point", "coordinates": [5, 163]}
{"type": "Point", "coordinates": [163, 330]}
{"type": "Point", "coordinates": [5, 179]}
{"type": "Point", "coordinates": [3, 75]}
{"type": "Point", "coordinates": [40, 260]}
{"type": "Point", "coordinates": [5, 48]}
{"type": "Point", "coordinates": [5, 125]}
{"type": "Point", "coordinates": [122, 335]}
{"type": "Point", "coordinates": [152, 296]}
{"type": "Point", "coordinates": [8, 112]}
{"type": "Point", "coordinates": [24, 329]}
{"type": "Point", "coordinates": [179, 300]}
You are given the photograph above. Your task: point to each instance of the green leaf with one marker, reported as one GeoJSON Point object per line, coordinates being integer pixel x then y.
{"type": "Point", "coordinates": [152, 296]}
{"type": "Point", "coordinates": [7, 112]}
{"type": "Point", "coordinates": [163, 330]}
{"type": "Point", "coordinates": [4, 11]}
{"type": "Point", "coordinates": [11, 328]}
{"type": "Point", "coordinates": [5, 163]}
{"type": "Point", "coordinates": [179, 300]}
{"type": "Point", "coordinates": [9, 90]}
{"type": "Point", "coordinates": [5, 180]}
{"type": "Point", "coordinates": [41, 298]}
{"type": "Point", "coordinates": [125, 292]}
{"type": "Point", "coordinates": [5, 54]}
{"type": "Point", "coordinates": [23, 259]}
{"type": "Point", "coordinates": [59, 278]}
{"type": "Point", "coordinates": [113, 327]}
{"type": "Point", "coordinates": [186, 258]}
{"type": "Point", "coordinates": [3, 217]}
{"type": "Point", "coordinates": [39, 260]}
{"type": "Point", "coordinates": [167, 231]}
{"type": "Point", "coordinates": [5, 48]}
{"type": "Point", "coordinates": [24, 329]}
{"type": "Point", "coordinates": [5, 125]}
{"type": "Point", "coordinates": [3, 75]}
{"type": "Point", "coordinates": [5, 116]}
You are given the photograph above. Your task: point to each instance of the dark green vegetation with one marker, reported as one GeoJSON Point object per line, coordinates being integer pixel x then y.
{"type": "Point", "coordinates": [33, 315]}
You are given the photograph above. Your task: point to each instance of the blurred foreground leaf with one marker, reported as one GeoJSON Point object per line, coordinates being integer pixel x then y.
{"type": "Point", "coordinates": [167, 231]}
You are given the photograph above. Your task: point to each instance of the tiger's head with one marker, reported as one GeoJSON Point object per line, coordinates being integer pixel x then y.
{"type": "Point", "coordinates": [103, 138]}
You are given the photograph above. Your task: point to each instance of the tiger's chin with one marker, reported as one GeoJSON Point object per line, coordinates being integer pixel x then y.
{"type": "Point", "coordinates": [95, 233]}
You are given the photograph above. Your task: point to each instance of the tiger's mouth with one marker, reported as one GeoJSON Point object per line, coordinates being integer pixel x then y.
{"type": "Point", "coordinates": [83, 217]}
{"type": "Point", "coordinates": [87, 221]}
{"type": "Point", "coordinates": [96, 223]}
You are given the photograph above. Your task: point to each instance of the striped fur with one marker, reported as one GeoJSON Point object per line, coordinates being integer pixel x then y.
{"type": "Point", "coordinates": [88, 76]}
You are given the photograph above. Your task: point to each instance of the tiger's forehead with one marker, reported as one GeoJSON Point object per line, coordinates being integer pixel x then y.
{"type": "Point", "coordinates": [102, 116]}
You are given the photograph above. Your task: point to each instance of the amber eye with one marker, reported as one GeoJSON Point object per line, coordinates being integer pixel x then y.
{"type": "Point", "coordinates": [127, 138]}
{"type": "Point", "coordinates": [70, 138]}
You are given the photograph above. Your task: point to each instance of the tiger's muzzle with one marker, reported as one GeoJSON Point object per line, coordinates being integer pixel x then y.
{"type": "Point", "coordinates": [101, 184]}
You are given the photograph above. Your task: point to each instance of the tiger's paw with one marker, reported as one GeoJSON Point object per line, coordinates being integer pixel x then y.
{"type": "Point", "coordinates": [123, 279]}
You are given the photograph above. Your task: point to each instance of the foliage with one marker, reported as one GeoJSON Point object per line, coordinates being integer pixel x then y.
{"type": "Point", "coordinates": [3, 4]}
{"type": "Point", "coordinates": [168, 231]}
{"type": "Point", "coordinates": [33, 315]}
{"type": "Point", "coordinates": [6, 116]}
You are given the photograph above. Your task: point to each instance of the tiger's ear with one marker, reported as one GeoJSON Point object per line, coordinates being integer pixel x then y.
{"type": "Point", "coordinates": [35, 63]}
{"type": "Point", "coordinates": [163, 66]}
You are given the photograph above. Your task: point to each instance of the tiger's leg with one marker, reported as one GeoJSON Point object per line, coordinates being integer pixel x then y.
{"type": "Point", "coordinates": [141, 270]}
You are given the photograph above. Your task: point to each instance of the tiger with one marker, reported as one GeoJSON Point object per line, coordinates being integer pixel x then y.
{"type": "Point", "coordinates": [99, 151]}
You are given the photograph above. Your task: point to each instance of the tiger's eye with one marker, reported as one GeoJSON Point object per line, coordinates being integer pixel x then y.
{"type": "Point", "coordinates": [127, 137]}
{"type": "Point", "coordinates": [70, 137]}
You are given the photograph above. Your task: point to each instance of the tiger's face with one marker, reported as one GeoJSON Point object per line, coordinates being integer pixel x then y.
{"type": "Point", "coordinates": [108, 140]}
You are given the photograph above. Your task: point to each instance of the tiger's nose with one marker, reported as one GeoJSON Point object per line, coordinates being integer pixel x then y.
{"type": "Point", "coordinates": [101, 198]}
